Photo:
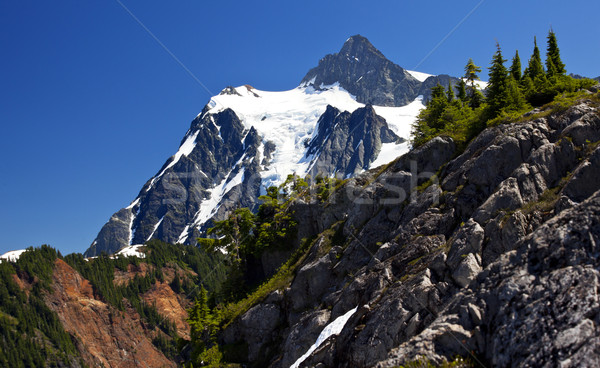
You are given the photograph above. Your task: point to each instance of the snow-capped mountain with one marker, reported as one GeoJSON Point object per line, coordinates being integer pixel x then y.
{"type": "Point", "coordinates": [351, 113]}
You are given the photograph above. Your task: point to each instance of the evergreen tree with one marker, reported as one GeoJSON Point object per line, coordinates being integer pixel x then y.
{"type": "Point", "coordinates": [550, 68]}
{"type": "Point", "coordinates": [526, 85]}
{"type": "Point", "coordinates": [450, 92]}
{"type": "Point", "coordinates": [437, 92]}
{"type": "Point", "coordinates": [497, 95]}
{"type": "Point", "coordinates": [516, 99]}
{"type": "Point", "coordinates": [204, 327]}
{"type": "Point", "coordinates": [436, 106]}
{"type": "Point", "coordinates": [515, 68]}
{"type": "Point", "coordinates": [475, 97]}
{"type": "Point", "coordinates": [535, 67]}
{"type": "Point", "coordinates": [553, 61]}
{"type": "Point", "coordinates": [462, 91]}
{"type": "Point", "coordinates": [235, 233]}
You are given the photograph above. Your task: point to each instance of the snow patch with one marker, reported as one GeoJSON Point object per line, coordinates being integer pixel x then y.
{"type": "Point", "coordinates": [400, 119]}
{"type": "Point", "coordinates": [481, 85]}
{"type": "Point", "coordinates": [133, 204]}
{"type": "Point", "coordinates": [210, 205]}
{"type": "Point", "coordinates": [133, 217]}
{"type": "Point", "coordinates": [184, 235]}
{"type": "Point", "coordinates": [389, 152]}
{"type": "Point", "coordinates": [155, 228]}
{"type": "Point", "coordinates": [131, 251]}
{"type": "Point", "coordinates": [334, 328]}
{"type": "Point", "coordinates": [13, 255]}
{"type": "Point", "coordinates": [420, 76]}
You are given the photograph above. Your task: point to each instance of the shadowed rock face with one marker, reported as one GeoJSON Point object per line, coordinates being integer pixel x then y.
{"type": "Point", "coordinates": [347, 143]}
{"type": "Point", "coordinates": [498, 256]}
{"type": "Point", "coordinates": [170, 201]}
{"type": "Point", "coordinates": [363, 71]}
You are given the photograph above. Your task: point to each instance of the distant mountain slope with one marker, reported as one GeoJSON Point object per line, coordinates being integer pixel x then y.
{"type": "Point", "coordinates": [125, 311]}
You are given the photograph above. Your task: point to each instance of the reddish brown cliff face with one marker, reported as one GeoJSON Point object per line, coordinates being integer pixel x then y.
{"type": "Point", "coordinates": [106, 336]}
{"type": "Point", "coordinates": [168, 304]}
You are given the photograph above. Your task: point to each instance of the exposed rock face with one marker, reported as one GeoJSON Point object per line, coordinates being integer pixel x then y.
{"type": "Point", "coordinates": [497, 256]}
{"type": "Point", "coordinates": [106, 336]}
{"type": "Point", "coordinates": [170, 202]}
{"type": "Point", "coordinates": [346, 143]}
{"type": "Point", "coordinates": [167, 304]}
{"type": "Point", "coordinates": [363, 71]}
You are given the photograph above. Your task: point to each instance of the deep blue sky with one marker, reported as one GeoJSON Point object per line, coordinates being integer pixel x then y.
{"type": "Point", "coordinates": [91, 106]}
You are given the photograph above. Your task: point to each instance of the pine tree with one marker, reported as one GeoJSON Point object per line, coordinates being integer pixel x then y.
{"type": "Point", "coordinates": [436, 106]}
{"type": "Point", "coordinates": [471, 71]}
{"type": "Point", "coordinates": [497, 95]}
{"type": "Point", "coordinates": [515, 68]}
{"type": "Point", "coordinates": [526, 85]}
{"type": "Point", "coordinates": [516, 99]}
{"type": "Point", "coordinates": [535, 67]}
{"type": "Point", "coordinates": [200, 318]}
{"type": "Point", "coordinates": [553, 61]}
{"type": "Point", "coordinates": [462, 91]}
{"type": "Point", "coordinates": [475, 97]}
{"type": "Point", "coordinates": [450, 92]}
{"type": "Point", "coordinates": [437, 92]}
{"type": "Point", "coordinates": [550, 68]}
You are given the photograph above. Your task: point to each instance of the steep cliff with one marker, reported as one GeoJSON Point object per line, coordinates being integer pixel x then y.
{"type": "Point", "coordinates": [491, 254]}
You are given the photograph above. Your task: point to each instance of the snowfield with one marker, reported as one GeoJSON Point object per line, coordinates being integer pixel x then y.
{"type": "Point", "coordinates": [289, 119]}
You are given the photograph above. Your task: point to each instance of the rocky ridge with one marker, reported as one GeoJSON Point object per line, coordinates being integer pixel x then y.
{"type": "Point", "coordinates": [492, 255]}
{"type": "Point", "coordinates": [367, 74]}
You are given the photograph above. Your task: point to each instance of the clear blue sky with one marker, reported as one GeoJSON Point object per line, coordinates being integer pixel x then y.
{"type": "Point", "coordinates": [91, 106]}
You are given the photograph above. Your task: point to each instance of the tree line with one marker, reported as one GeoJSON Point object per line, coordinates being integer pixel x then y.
{"type": "Point", "coordinates": [510, 92]}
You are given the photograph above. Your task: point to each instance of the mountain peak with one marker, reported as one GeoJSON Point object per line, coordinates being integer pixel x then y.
{"type": "Point", "coordinates": [357, 46]}
{"type": "Point", "coordinates": [363, 71]}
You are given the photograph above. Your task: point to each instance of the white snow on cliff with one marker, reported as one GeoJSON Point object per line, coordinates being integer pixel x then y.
{"type": "Point", "coordinates": [334, 328]}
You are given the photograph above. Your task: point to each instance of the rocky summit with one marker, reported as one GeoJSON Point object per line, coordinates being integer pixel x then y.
{"type": "Point", "coordinates": [365, 72]}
